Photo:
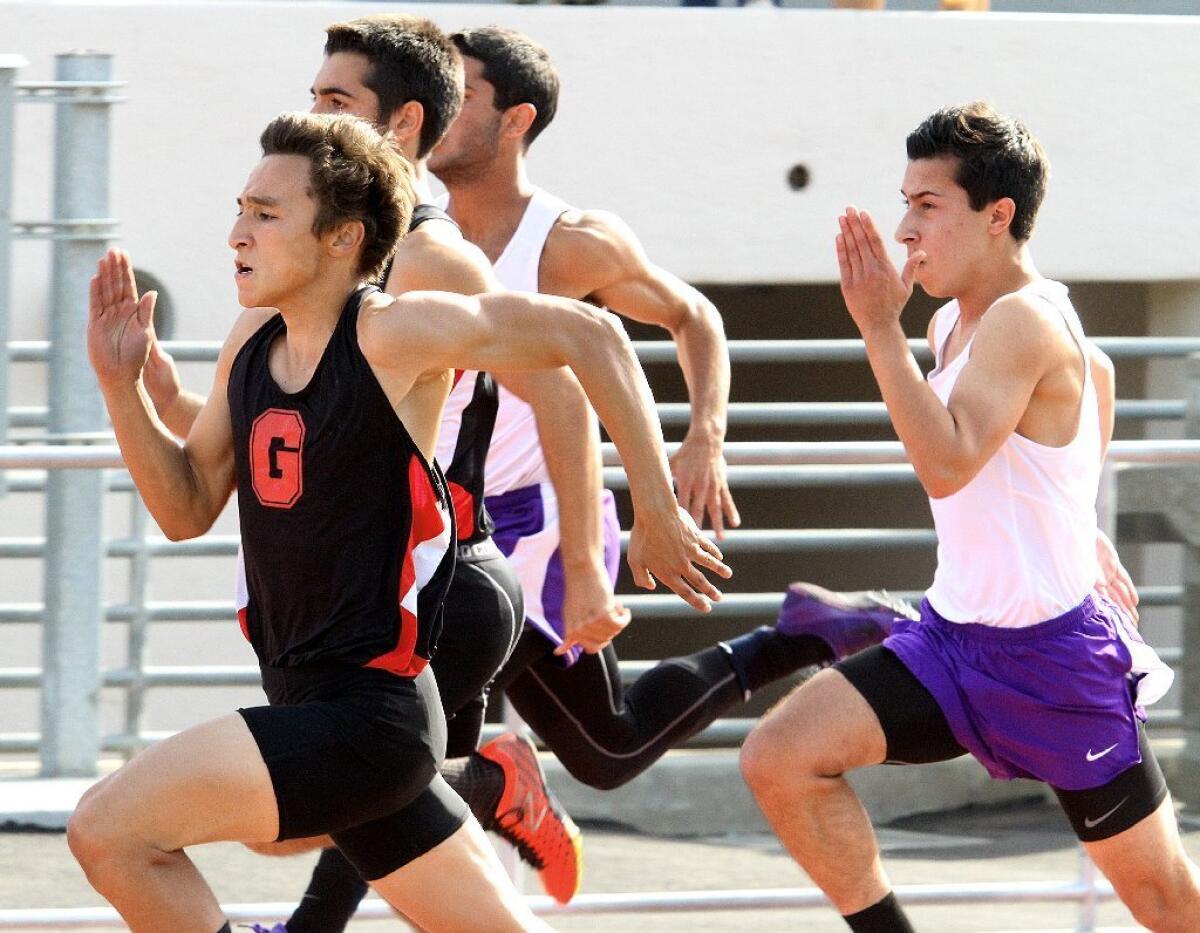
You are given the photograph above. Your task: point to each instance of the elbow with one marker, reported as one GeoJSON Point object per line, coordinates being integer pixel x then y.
{"type": "Point", "coordinates": [180, 531]}
{"type": "Point", "coordinates": [182, 526]}
{"type": "Point", "coordinates": [942, 480]}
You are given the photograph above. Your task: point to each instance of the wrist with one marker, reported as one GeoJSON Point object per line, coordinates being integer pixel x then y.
{"type": "Point", "coordinates": [708, 434]}
{"type": "Point", "coordinates": [876, 332]}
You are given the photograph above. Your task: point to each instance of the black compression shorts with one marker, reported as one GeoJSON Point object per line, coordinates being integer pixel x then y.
{"type": "Point", "coordinates": [355, 752]}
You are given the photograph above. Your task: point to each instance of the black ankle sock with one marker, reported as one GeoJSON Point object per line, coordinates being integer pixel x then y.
{"type": "Point", "coordinates": [883, 917]}
{"type": "Point", "coordinates": [764, 655]}
{"type": "Point", "coordinates": [479, 782]}
{"type": "Point", "coordinates": [333, 895]}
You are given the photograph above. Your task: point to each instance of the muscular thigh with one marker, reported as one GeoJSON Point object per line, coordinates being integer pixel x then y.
{"type": "Point", "coordinates": [826, 724]}
{"type": "Point", "coordinates": [205, 784]}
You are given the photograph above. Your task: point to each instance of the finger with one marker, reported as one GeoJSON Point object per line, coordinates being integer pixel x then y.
{"type": "Point", "coordinates": [641, 576]}
{"type": "Point", "coordinates": [701, 584]}
{"type": "Point", "coordinates": [95, 304]}
{"type": "Point", "coordinates": [125, 272]}
{"type": "Point", "coordinates": [843, 257]}
{"type": "Point", "coordinates": [873, 240]}
{"type": "Point", "coordinates": [104, 271]}
{"type": "Point", "coordinates": [716, 514]}
{"type": "Point", "coordinates": [1128, 599]}
{"type": "Point", "coordinates": [680, 588]}
{"type": "Point", "coordinates": [852, 250]}
{"type": "Point", "coordinates": [567, 645]}
{"type": "Point", "coordinates": [708, 556]}
{"type": "Point", "coordinates": [732, 518]}
{"type": "Point", "coordinates": [145, 309]}
{"type": "Point", "coordinates": [862, 238]}
{"type": "Point", "coordinates": [910, 268]}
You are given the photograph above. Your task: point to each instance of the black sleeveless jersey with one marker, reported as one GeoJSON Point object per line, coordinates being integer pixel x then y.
{"type": "Point", "coordinates": [346, 530]}
{"type": "Point", "coordinates": [474, 426]}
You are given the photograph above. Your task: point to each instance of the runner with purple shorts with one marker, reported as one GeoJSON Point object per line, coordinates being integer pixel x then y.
{"type": "Point", "coordinates": [1025, 654]}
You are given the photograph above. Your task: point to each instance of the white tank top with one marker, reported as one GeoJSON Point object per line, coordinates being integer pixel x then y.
{"type": "Point", "coordinates": [515, 457]}
{"type": "Point", "coordinates": [1017, 544]}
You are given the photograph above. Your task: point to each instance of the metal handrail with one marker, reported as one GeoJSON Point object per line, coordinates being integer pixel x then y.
{"type": "Point", "coordinates": [655, 606]}
{"type": "Point", "coordinates": [747, 453]}
{"type": "Point", "coordinates": [740, 351]}
{"type": "Point", "coordinates": [770, 414]}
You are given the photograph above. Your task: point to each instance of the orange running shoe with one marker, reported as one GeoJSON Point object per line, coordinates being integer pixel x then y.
{"type": "Point", "coordinates": [530, 817]}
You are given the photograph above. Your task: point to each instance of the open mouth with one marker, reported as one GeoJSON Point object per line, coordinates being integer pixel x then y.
{"type": "Point", "coordinates": [241, 270]}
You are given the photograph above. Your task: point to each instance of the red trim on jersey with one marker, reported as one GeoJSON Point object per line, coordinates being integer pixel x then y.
{"type": "Point", "coordinates": [458, 374]}
{"type": "Point", "coordinates": [427, 524]}
{"type": "Point", "coordinates": [244, 623]}
{"type": "Point", "coordinates": [464, 511]}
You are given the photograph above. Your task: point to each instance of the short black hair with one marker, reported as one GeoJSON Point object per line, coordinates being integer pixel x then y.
{"type": "Point", "coordinates": [411, 59]}
{"type": "Point", "coordinates": [517, 67]}
{"type": "Point", "coordinates": [998, 158]}
{"type": "Point", "coordinates": [354, 174]}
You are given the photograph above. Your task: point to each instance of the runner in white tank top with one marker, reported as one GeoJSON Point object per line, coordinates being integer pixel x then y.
{"type": "Point", "coordinates": [604, 732]}
{"type": "Point", "coordinates": [1019, 658]}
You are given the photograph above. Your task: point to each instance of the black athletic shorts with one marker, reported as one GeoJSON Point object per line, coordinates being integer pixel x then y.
{"type": "Point", "coordinates": [917, 733]}
{"type": "Point", "coordinates": [481, 618]}
{"type": "Point", "coordinates": [355, 752]}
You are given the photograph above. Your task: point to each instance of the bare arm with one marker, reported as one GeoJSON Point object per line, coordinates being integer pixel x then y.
{"type": "Point", "coordinates": [947, 444]}
{"type": "Point", "coordinates": [512, 332]}
{"type": "Point", "coordinates": [1114, 580]}
{"type": "Point", "coordinates": [436, 256]}
{"type": "Point", "coordinates": [620, 276]}
{"type": "Point", "coordinates": [569, 437]}
{"type": "Point", "coordinates": [184, 487]}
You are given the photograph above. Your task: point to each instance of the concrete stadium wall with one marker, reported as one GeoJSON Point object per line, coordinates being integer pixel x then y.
{"type": "Point", "coordinates": [686, 122]}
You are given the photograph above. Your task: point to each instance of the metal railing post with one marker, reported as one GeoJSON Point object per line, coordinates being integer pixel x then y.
{"type": "Point", "coordinates": [75, 498]}
{"type": "Point", "coordinates": [139, 578]}
{"type": "Point", "coordinates": [9, 65]}
{"type": "Point", "coordinates": [1188, 775]}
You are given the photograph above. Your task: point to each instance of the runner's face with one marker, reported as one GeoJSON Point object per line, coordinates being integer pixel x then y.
{"type": "Point", "coordinates": [472, 142]}
{"type": "Point", "coordinates": [277, 252]}
{"type": "Point", "coordinates": [339, 87]}
{"type": "Point", "coordinates": [938, 219]}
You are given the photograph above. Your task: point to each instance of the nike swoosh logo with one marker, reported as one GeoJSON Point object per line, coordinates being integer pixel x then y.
{"type": "Point", "coordinates": [1091, 757]}
{"type": "Point", "coordinates": [1091, 824]}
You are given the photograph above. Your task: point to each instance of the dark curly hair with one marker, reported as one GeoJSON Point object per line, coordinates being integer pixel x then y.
{"type": "Point", "coordinates": [355, 174]}
{"type": "Point", "coordinates": [998, 158]}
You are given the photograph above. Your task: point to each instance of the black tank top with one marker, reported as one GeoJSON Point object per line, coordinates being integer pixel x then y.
{"type": "Point", "coordinates": [346, 530]}
{"type": "Point", "coordinates": [465, 472]}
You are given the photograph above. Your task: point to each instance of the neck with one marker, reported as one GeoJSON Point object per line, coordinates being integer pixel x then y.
{"type": "Point", "coordinates": [1012, 273]}
{"type": "Point", "coordinates": [421, 188]}
{"type": "Point", "coordinates": [490, 204]}
{"type": "Point", "coordinates": [311, 311]}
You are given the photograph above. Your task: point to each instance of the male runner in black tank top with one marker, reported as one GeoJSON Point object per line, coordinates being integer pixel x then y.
{"type": "Point", "coordinates": [319, 214]}
{"type": "Point", "coordinates": [403, 74]}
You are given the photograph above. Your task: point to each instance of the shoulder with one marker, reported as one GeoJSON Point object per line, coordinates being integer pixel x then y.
{"type": "Point", "coordinates": [392, 328]}
{"type": "Point", "coordinates": [590, 249]}
{"type": "Point", "coordinates": [1022, 326]}
{"type": "Point", "coordinates": [248, 323]}
{"type": "Point", "coordinates": [437, 256]}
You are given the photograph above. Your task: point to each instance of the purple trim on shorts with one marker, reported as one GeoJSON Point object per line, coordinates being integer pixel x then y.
{"type": "Point", "coordinates": [519, 513]}
{"type": "Point", "coordinates": [1052, 701]}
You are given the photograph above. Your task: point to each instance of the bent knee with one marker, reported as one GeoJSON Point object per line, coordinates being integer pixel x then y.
{"type": "Point", "coordinates": [602, 773]}
{"type": "Point", "coordinates": [93, 836]}
{"type": "Point", "coordinates": [767, 762]}
{"type": "Point", "coordinates": [1158, 904]}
